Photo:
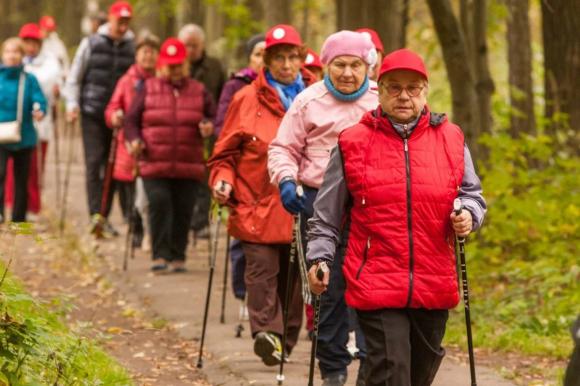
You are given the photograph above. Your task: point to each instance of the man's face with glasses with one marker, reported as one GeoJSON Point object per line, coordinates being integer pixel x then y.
{"type": "Point", "coordinates": [403, 95]}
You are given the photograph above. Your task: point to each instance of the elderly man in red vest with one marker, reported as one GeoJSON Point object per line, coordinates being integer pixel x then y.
{"type": "Point", "coordinates": [391, 182]}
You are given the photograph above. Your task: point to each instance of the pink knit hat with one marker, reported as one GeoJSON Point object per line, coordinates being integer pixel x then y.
{"type": "Point", "coordinates": [348, 43]}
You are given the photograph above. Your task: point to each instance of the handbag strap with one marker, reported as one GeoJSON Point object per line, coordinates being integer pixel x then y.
{"type": "Point", "coordinates": [20, 101]}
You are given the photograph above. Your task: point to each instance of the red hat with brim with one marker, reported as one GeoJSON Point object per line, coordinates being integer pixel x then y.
{"type": "Point", "coordinates": [375, 38]}
{"type": "Point", "coordinates": [47, 23]}
{"type": "Point", "coordinates": [30, 31]}
{"type": "Point", "coordinates": [172, 52]}
{"type": "Point", "coordinates": [312, 60]}
{"type": "Point", "coordinates": [121, 9]}
{"type": "Point", "coordinates": [403, 59]}
{"type": "Point", "coordinates": [283, 34]}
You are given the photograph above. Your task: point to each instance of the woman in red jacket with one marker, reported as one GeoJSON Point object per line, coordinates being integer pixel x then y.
{"type": "Point", "coordinates": [146, 53]}
{"type": "Point", "coordinates": [239, 177]}
{"type": "Point", "coordinates": [165, 126]}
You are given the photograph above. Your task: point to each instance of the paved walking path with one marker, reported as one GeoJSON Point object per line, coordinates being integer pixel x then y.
{"type": "Point", "coordinates": [180, 298]}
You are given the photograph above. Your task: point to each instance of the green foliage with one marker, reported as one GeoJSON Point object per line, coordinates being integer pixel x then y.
{"type": "Point", "coordinates": [240, 23]}
{"type": "Point", "coordinates": [523, 264]}
{"type": "Point", "coordinates": [36, 348]}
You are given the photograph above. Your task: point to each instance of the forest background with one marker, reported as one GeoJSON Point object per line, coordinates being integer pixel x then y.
{"type": "Point", "coordinates": [507, 71]}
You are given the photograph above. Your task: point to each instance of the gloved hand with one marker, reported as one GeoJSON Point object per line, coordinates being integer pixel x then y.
{"type": "Point", "coordinates": [290, 199]}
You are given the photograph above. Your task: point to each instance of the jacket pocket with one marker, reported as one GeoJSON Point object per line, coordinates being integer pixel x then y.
{"type": "Point", "coordinates": [365, 256]}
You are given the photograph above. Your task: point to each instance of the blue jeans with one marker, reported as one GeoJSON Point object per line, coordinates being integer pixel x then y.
{"type": "Point", "coordinates": [336, 319]}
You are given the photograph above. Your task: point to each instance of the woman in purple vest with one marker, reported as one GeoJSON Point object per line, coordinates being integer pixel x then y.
{"type": "Point", "coordinates": [165, 127]}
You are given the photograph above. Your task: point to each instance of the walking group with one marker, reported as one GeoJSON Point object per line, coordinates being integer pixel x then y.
{"type": "Point", "coordinates": [339, 180]}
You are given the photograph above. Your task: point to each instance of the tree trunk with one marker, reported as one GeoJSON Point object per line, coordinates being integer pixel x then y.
{"type": "Point", "coordinates": [277, 12]}
{"type": "Point", "coordinates": [455, 54]}
{"type": "Point", "coordinates": [560, 26]}
{"type": "Point", "coordinates": [484, 85]}
{"type": "Point", "coordinates": [520, 68]}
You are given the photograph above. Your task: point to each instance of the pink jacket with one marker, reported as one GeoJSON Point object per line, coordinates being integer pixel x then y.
{"type": "Point", "coordinates": [309, 131]}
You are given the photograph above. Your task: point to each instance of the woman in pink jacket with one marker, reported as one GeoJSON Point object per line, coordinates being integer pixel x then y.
{"type": "Point", "coordinates": [299, 155]}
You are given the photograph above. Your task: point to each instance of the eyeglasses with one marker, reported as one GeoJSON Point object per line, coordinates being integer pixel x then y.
{"type": "Point", "coordinates": [395, 90]}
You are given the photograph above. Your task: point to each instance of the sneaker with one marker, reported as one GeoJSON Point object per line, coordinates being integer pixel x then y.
{"type": "Point", "coordinates": [203, 233]}
{"type": "Point", "coordinates": [334, 379]}
{"type": "Point", "coordinates": [108, 231]}
{"type": "Point", "coordinates": [97, 224]}
{"type": "Point", "coordinates": [159, 266]}
{"type": "Point", "coordinates": [351, 345]}
{"type": "Point", "coordinates": [268, 347]}
{"type": "Point", "coordinates": [178, 267]}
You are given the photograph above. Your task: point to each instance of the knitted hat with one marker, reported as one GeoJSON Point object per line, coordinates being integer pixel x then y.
{"type": "Point", "coordinates": [348, 43]}
{"type": "Point", "coordinates": [403, 59]}
{"type": "Point", "coordinates": [251, 43]}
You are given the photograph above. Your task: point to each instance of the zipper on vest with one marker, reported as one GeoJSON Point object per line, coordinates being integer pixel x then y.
{"type": "Point", "coordinates": [409, 215]}
{"type": "Point", "coordinates": [365, 255]}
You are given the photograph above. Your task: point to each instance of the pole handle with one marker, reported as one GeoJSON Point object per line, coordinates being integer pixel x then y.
{"type": "Point", "coordinates": [321, 270]}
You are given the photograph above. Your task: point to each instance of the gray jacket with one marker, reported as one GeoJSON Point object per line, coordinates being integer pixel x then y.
{"type": "Point", "coordinates": [333, 196]}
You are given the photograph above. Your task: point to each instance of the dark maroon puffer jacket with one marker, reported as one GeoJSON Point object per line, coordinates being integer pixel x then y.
{"type": "Point", "coordinates": [169, 128]}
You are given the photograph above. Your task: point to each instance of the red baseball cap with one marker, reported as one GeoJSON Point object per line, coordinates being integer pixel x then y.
{"type": "Point", "coordinates": [375, 38]}
{"type": "Point", "coordinates": [403, 59]}
{"type": "Point", "coordinates": [282, 34]}
{"type": "Point", "coordinates": [121, 9]}
{"type": "Point", "coordinates": [172, 52]}
{"type": "Point", "coordinates": [47, 23]}
{"type": "Point", "coordinates": [30, 31]}
{"type": "Point", "coordinates": [312, 59]}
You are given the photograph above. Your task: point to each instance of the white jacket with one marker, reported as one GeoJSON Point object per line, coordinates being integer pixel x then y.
{"type": "Point", "coordinates": [49, 73]}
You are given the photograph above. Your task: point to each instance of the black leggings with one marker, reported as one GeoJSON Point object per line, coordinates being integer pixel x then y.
{"type": "Point", "coordinates": [21, 161]}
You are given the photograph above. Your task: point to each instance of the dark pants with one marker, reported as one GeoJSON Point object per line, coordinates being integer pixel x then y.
{"type": "Point", "coordinates": [572, 377]}
{"type": "Point", "coordinates": [170, 208]}
{"type": "Point", "coordinates": [21, 161]}
{"type": "Point", "coordinates": [266, 278]}
{"type": "Point", "coordinates": [238, 269]}
{"type": "Point", "coordinates": [404, 345]}
{"type": "Point", "coordinates": [97, 143]}
{"type": "Point", "coordinates": [200, 217]}
{"type": "Point", "coordinates": [336, 319]}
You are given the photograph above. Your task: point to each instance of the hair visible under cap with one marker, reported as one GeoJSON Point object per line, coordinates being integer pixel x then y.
{"type": "Point", "coordinates": [146, 38]}
{"type": "Point", "coordinates": [273, 51]}
{"type": "Point", "coordinates": [14, 40]}
{"type": "Point", "coordinates": [191, 29]}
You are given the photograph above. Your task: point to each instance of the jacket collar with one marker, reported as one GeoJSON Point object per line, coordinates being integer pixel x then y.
{"type": "Point", "coordinates": [268, 96]}
{"type": "Point", "coordinates": [106, 28]}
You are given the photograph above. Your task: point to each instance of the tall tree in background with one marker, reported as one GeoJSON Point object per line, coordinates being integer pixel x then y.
{"type": "Point", "coordinates": [520, 68]}
{"type": "Point", "coordinates": [277, 12]}
{"type": "Point", "coordinates": [456, 56]}
{"type": "Point", "coordinates": [560, 26]}
{"type": "Point", "coordinates": [388, 17]}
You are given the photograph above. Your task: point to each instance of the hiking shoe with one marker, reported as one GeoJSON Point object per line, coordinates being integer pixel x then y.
{"type": "Point", "coordinates": [108, 231]}
{"type": "Point", "coordinates": [268, 347]}
{"type": "Point", "coordinates": [334, 379]}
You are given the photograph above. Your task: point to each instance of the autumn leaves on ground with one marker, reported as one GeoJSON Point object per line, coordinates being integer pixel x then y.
{"type": "Point", "coordinates": [66, 286]}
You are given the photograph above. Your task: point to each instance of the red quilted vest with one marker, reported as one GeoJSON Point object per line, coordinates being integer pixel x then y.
{"type": "Point", "coordinates": [400, 247]}
{"type": "Point", "coordinates": [174, 147]}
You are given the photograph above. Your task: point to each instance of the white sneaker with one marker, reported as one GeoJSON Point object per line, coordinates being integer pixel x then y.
{"type": "Point", "coordinates": [351, 345]}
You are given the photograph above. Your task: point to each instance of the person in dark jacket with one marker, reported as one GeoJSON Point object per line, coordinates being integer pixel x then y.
{"type": "Point", "coordinates": [99, 63]}
{"type": "Point", "coordinates": [165, 125]}
{"type": "Point", "coordinates": [20, 152]}
{"type": "Point", "coordinates": [390, 187]}
{"type": "Point", "coordinates": [209, 71]}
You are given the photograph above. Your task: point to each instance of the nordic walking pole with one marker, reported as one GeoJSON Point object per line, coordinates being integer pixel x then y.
{"type": "Point", "coordinates": [209, 283]}
{"type": "Point", "coordinates": [225, 284]}
{"type": "Point", "coordinates": [56, 152]}
{"type": "Point", "coordinates": [108, 181]}
{"type": "Point", "coordinates": [39, 164]}
{"type": "Point", "coordinates": [70, 153]}
{"type": "Point", "coordinates": [293, 256]}
{"type": "Point", "coordinates": [322, 268]}
{"type": "Point", "coordinates": [129, 249]}
{"type": "Point", "coordinates": [457, 208]}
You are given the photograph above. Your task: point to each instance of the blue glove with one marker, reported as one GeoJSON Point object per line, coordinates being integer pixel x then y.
{"type": "Point", "coordinates": [291, 201]}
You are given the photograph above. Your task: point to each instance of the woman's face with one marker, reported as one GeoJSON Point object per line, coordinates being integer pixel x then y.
{"type": "Point", "coordinates": [347, 73]}
{"type": "Point", "coordinates": [403, 95]}
{"type": "Point", "coordinates": [12, 55]}
{"type": "Point", "coordinates": [146, 58]}
{"type": "Point", "coordinates": [175, 72]}
{"type": "Point", "coordinates": [285, 64]}
{"type": "Point", "coordinates": [31, 47]}
{"type": "Point", "coordinates": [257, 57]}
